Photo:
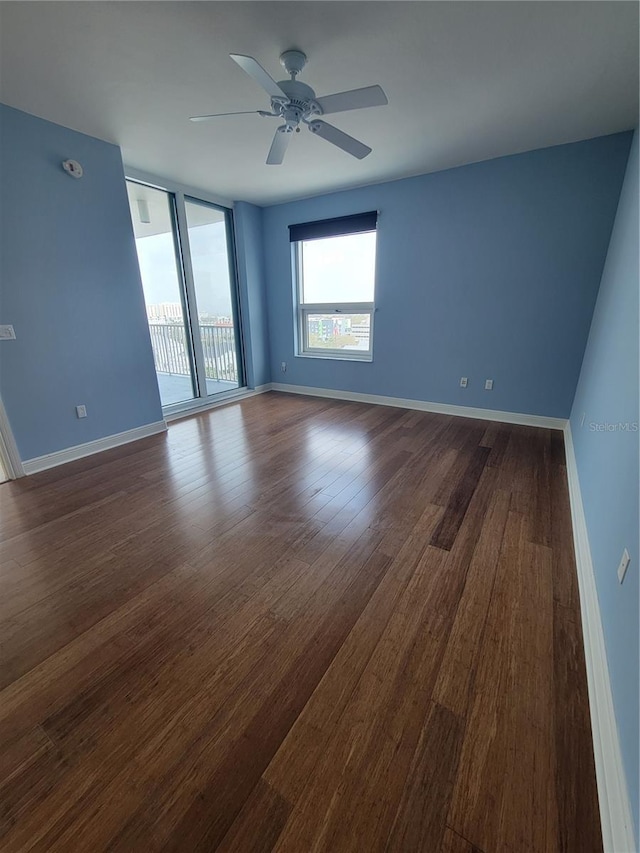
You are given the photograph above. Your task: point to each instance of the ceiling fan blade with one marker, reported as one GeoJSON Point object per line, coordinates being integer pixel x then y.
{"type": "Point", "coordinates": [253, 68]}
{"type": "Point", "coordinates": [355, 99]}
{"type": "Point", "coordinates": [279, 146]}
{"type": "Point", "coordinates": [339, 138]}
{"type": "Point", "coordinates": [217, 115]}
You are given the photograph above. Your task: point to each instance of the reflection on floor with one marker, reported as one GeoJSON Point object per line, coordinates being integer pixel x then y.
{"type": "Point", "coordinates": [293, 624]}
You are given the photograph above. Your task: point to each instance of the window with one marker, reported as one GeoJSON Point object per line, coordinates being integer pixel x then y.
{"type": "Point", "coordinates": [335, 270]}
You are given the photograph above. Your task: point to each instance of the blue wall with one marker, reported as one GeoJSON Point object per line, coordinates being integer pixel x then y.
{"type": "Point", "coordinates": [249, 249]}
{"type": "Point", "coordinates": [485, 271]}
{"type": "Point", "coordinates": [489, 270]}
{"type": "Point", "coordinates": [69, 283]}
{"type": "Point", "coordinates": [608, 463]}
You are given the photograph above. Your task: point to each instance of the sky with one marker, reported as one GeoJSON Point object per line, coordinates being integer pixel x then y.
{"type": "Point", "coordinates": [210, 268]}
{"type": "Point", "coordinates": [336, 269]}
{"type": "Point", "coordinates": [340, 269]}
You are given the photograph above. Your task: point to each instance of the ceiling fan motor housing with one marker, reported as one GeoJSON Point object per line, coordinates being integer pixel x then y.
{"type": "Point", "coordinates": [301, 104]}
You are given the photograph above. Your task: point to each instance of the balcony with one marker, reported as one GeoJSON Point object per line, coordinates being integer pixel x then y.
{"type": "Point", "coordinates": [173, 364]}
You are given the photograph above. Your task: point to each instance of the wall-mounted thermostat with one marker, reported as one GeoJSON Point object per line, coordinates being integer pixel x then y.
{"type": "Point", "coordinates": [73, 168]}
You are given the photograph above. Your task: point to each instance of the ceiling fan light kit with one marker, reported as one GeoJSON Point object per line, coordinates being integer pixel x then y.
{"type": "Point", "coordinates": [296, 103]}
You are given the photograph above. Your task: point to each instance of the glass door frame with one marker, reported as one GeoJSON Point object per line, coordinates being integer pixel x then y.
{"type": "Point", "coordinates": [233, 284]}
{"type": "Point", "coordinates": [177, 196]}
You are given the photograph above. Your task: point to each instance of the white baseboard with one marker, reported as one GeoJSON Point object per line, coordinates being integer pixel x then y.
{"type": "Point", "coordinates": [229, 397]}
{"type": "Point", "coordinates": [79, 451]}
{"type": "Point", "coordinates": [615, 809]}
{"type": "Point", "coordinates": [424, 406]}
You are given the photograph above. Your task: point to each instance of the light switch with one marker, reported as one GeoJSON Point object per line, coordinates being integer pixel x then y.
{"type": "Point", "coordinates": [7, 333]}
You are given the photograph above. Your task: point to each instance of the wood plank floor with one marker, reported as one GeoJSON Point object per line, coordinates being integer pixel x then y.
{"type": "Point", "coordinates": [297, 625]}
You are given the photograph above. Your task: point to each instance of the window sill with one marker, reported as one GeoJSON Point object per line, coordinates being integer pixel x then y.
{"type": "Point", "coordinates": [331, 356]}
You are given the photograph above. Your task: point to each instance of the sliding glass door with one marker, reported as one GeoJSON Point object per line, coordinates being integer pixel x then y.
{"type": "Point", "coordinates": [185, 252]}
{"type": "Point", "coordinates": [214, 294]}
{"type": "Point", "coordinates": [154, 226]}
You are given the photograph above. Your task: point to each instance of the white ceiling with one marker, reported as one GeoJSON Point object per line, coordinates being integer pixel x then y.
{"type": "Point", "coordinates": [466, 81]}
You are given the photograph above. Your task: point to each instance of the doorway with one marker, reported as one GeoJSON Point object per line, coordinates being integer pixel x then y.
{"type": "Point", "coordinates": [186, 258]}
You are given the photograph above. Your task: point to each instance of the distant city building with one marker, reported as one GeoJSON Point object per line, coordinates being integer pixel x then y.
{"type": "Point", "coordinates": [326, 328]}
{"type": "Point", "coordinates": [171, 313]}
{"type": "Point", "coordinates": [165, 311]}
{"type": "Point", "coordinates": [361, 331]}
{"type": "Point", "coordinates": [338, 331]}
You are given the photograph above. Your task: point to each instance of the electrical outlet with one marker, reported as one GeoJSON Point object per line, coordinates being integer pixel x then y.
{"type": "Point", "coordinates": [463, 381]}
{"type": "Point", "coordinates": [624, 565]}
{"type": "Point", "coordinates": [488, 385]}
{"type": "Point", "coordinates": [283, 366]}
{"type": "Point", "coordinates": [81, 411]}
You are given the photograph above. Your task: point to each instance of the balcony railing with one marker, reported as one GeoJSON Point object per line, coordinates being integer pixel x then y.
{"type": "Point", "coordinates": [171, 354]}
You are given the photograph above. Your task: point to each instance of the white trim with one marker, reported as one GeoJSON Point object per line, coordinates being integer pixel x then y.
{"type": "Point", "coordinates": [304, 309]}
{"type": "Point", "coordinates": [343, 354]}
{"type": "Point", "coordinates": [615, 809]}
{"type": "Point", "coordinates": [229, 397]}
{"type": "Point", "coordinates": [9, 453]}
{"type": "Point", "coordinates": [79, 451]}
{"type": "Point", "coordinates": [425, 406]}
{"type": "Point", "coordinates": [338, 307]}
{"type": "Point", "coordinates": [365, 357]}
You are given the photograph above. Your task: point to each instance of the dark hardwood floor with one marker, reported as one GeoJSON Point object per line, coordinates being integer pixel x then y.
{"type": "Point", "coordinates": [297, 625]}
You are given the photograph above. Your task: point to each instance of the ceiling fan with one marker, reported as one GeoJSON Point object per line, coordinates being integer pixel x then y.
{"type": "Point", "coordinates": [295, 103]}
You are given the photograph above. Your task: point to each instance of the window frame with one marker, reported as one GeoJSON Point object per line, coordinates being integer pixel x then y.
{"type": "Point", "coordinates": [305, 309]}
